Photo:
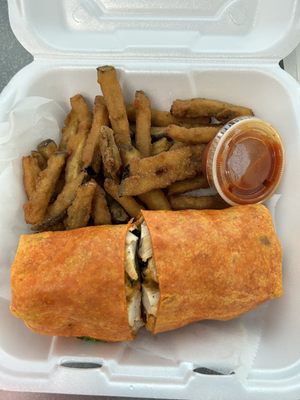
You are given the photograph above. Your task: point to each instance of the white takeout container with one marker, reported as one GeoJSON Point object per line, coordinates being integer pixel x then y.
{"type": "Point", "coordinates": [228, 50]}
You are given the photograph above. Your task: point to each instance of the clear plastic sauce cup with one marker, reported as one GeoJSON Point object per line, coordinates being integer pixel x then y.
{"type": "Point", "coordinates": [245, 161]}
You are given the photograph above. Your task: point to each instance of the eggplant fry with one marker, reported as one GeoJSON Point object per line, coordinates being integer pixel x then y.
{"type": "Point", "coordinates": [100, 210]}
{"type": "Point", "coordinates": [165, 118]}
{"type": "Point", "coordinates": [91, 149]}
{"type": "Point", "coordinates": [31, 170]}
{"type": "Point", "coordinates": [195, 108]}
{"type": "Point", "coordinates": [65, 197]}
{"type": "Point", "coordinates": [35, 209]}
{"type": "Point", "coordinates": [118, 214]}
{"type": "Point", "coordinates": [77, 142]}
{"type": "Point", "coordinates": [197, 203]}
{"type": "Point", "coordinates": [128, 152]}
{"type": "Point", "coordinates": [112, 162]}
{"type": "Point", "coordinates": [199, 182]}
{"type": "Point", "coordinates": [79, 211]}
{"type": "Point", "coordinates": [160, 171]}
{"type": "Point", "coordinates": [160, 145]}
{"type": "Point", "coordinates": [143, 123]}
{"type": "Point", "coordinates": [42, 162]}
{"type": "Point", "coordinates": [155, 200]}
{"type": "Point", "coordinates": [201, 134]}
{"type": "Point", "coordinates": [69, 129]}
{"type": "Point", "coordinates": [46, 148]}
{"type": "Point", "coordinates": [130, 205]}
{"type": "Point", "coordinates": [112, 92]}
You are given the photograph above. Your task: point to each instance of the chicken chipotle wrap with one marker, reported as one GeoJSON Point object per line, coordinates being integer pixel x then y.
{"type": "Point", "coordinates": [210, 264]}
{"type": "Point", "coordinates": [81, 282]}
{"type": "Point", "coordinates": [168, 269]}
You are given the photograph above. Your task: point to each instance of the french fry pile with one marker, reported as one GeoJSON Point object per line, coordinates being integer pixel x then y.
{"type": "Point", "coordinates": [116, 160]}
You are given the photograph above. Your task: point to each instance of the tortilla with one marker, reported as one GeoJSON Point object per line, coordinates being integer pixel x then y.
{"type": "Point", "coordinates": [72, 283]}
{"type": "Point", "coordinates": [212, 264]}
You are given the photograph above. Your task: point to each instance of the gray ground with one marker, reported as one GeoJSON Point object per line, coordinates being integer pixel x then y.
{"type": "Point", "coordinates": [13, 56]}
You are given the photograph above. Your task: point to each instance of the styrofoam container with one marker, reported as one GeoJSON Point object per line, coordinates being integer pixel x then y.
{"type": "Point", "coordinates": [228, 50]}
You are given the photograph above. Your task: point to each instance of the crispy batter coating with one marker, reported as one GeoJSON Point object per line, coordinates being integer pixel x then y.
{"type": "Point", "coordinates": [130, 205]}
{"type": "Point", "coordinates": [112, 162]}
{"type": "Point", "coordinates": [31, 170]}
{"type": "Point", "coordinates": [79, 211]}
{"type": "Point", "coordinates": [35, 208]}
{"type": "Point", "coordinates": [91, 149]}
{"type": "Point", "coordinates": [112, 92]}
{"type": "Point", "coordinates": [100, 210]}
{"type": "Point", "coordinates": [69, 129]}
{"type": "Point", "coordinates": [201, 134]}
{"type": "Point", "coordinates": [155, 200]}
{"type": "Point", "coordinates": [165, 118]}
{"type": "Point", "coordinates": [195, 108]}
{"type": "Point", "coordinates": [179, 202]}
{"type": "Point", "coordinates": [143, 123]}
{"type": "Point", "coordinates": [161, 170]}
{"type": "Point", "coordinates": [46, 148]}
{"type": "Point", "coordinates": [188, 185]}
{"type": "Point", "coordinates": [160, 145]}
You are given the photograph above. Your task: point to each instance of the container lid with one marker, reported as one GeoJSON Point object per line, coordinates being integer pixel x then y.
{"type": "Point", "coordinates": [245, 160]}
{"type": "Point", "coordinates": [177, 29]}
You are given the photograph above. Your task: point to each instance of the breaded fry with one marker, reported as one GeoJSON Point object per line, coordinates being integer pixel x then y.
{"type": "Point", "coordinates": [177, 145]}
{"type": "Point", "coordinates": [158, 132]}
{"type": "Point", "coordinates": [50, 225]}
{"type": "Point", "coordinates": [112, 162]}
{"type": "Point", "coordinates": [42, 162]}
{"type": "Point", "coordinates": [118, 214]}
{"type": "Point", "coordinates": [155, 200]}
{"type": "Point", "coordinates": [112, 92]}
{"type": "Point", "coordinates": [97, 159]}
{"type": "Point", "coordinates": [60, 184]}
{"type": "Point", "coordinates": [57, 227]}
{"type": "Point", "coordinates": [91, 148]}
{"type": "Point", "coordinates": [80, 210]}
{"type": "Point", "coordinates": [65, 197]}
{"type": "Point", "coordinates": [81, 108]}
{"type": "Point", "coordinates": [160, 145]}
{"type": "Point", "coordinates": [188, 185]}
{"type": "Point", "coordinates": [35, 208]}
{"type": "Point", "coordinates": [100, 211]}
{"type": "Point", "coordinates": [160, 171]}
{"type": "Point", "coordinates": [31, 170]}
{"type": "Point", "coordinates": [197, 203]}
{"type": "Point", "coordinates": [195, 108]}
{"type": "Point", "coordinates": [130, 205]}
{"type": "Point", "coordinates": [76, 142]}
{"type": "Point", "coordinates": [46, 148]}
{"type": "Point", "coordinates": [165, 118]}
{"type": "Point", "coordinates": [143, 123]}
{"type": "Point", "coordinates": [128, 152]}
{"type": "Point", "coordinates": [74, 162]}
{"type": "Point", "coordinates": [69, 130]}
{"type": "Point", "coordinates": [187, 156]}
{"type": "Point", "coordinates": [201, 134]}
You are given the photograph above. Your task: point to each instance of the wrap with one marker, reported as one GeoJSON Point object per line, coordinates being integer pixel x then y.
{"type": "Point", "coordinates": [72, 283]}
{"type": "Point", "coordinates": [209, 264]}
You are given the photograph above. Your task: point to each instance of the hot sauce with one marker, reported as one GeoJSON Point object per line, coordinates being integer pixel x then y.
{"type": "Point", "coordinates": [245, 161]}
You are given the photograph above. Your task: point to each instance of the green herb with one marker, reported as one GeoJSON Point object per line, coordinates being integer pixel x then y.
{"type": "Point", "coordinates": [89, 339]}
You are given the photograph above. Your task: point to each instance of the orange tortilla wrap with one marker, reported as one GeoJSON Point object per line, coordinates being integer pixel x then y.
{"type": "Point", "coordinates": [72, 283]}
{"type": "Point", "coordinates": [213, 264]}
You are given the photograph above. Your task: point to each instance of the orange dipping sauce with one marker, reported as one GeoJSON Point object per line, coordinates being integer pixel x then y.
{"type": "Point", "coordinates": [244, 162]}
